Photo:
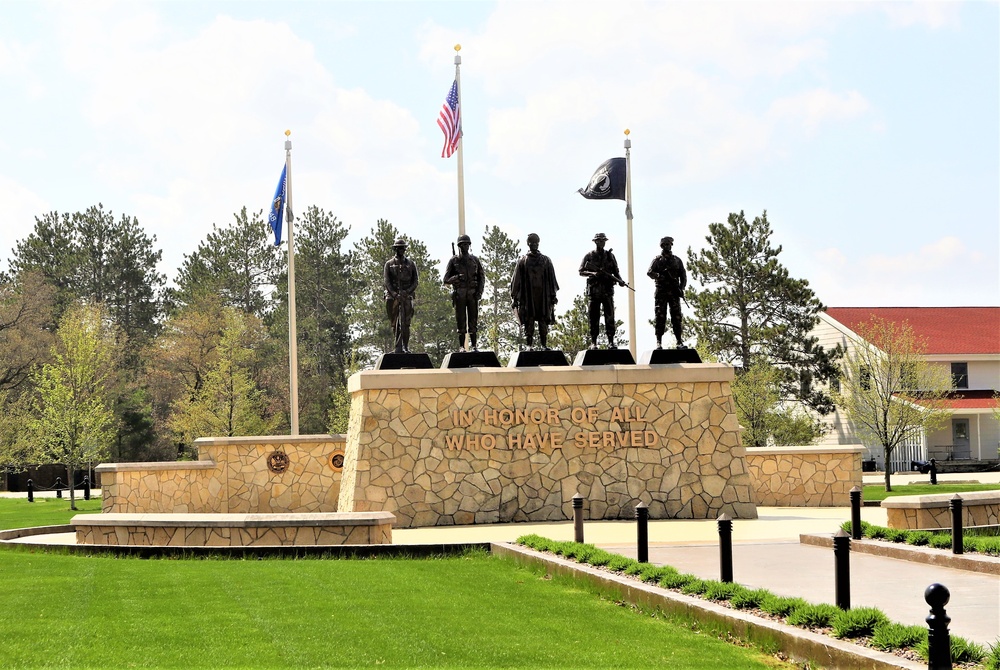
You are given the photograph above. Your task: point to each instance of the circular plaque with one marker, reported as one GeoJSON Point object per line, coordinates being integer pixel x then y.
{"type": "Point", "coordinates": [277, 462]}
{"type": "Point", "coordinates": [337, 461]}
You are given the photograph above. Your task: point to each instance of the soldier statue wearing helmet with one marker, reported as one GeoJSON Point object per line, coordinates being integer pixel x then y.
{"type": "Point", "coordinates": [601, 270]}
{"type": "Point", "coordinates": [465, 276]}
{"type": "Point", "coordinates": [400, 279]}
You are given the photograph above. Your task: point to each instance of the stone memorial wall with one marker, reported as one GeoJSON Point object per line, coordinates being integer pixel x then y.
{"type": "Point", "coordinates": [804, 476]}
{"type": "Point", "coordinates": [441, 447]}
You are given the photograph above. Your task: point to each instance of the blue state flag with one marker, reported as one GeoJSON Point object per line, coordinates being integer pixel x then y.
{"type": "Point", "coordinates": [277, 211]}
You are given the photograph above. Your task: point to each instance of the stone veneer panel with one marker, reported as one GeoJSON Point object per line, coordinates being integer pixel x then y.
{"type": "Point", "coordinates": [442, 447]}
{"type": "Point", "coordinates": [804, 476]}
{"type": "Point", "coordinates": [231, 476]}
{"type": "Point", "coordinates": [979, 508]}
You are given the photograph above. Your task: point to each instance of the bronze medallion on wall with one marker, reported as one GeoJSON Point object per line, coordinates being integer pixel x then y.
{"type": "Point", "coordinates": [337, 461]}
{"type": "Point", "coordinates": [277, 462]}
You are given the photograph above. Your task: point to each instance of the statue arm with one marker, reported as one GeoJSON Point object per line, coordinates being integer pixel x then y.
{"type": "Point", "coordinates": [480, 280]}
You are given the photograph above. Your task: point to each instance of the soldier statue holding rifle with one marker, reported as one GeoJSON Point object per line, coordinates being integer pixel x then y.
{"type": "Point", "coordinates": [668, 272]}
{"type": "Point", "coordinates": [400, 279]}
{"type": "Point", "coordinates": [601, 270]}
{"type": "Point", "coordinates": [466, 277]}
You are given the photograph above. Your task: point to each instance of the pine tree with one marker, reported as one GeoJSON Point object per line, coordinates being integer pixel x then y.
{"type": "Point", "coordinates": [498, 327]}
{"type": "Point", "coordinates": [748, 307]}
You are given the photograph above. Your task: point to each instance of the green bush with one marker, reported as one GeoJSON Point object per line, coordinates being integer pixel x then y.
{"type": "Point", "coordinates": [918, 538]}
{"type": "Point", "coordinates": [674, 579]}
{"type": "Point", "coordinates": [633, 569]}
{"type": "Point", "coordinates": [721, 591]}
{"type": "Point", "coordinates": [650, 573]}
{"type": "Point", "coordinates": [992, 660]}
{"type": "Point", "coordinates": [860, 622]}
{"type": "Point", "coordinates": [813, 616]}
{"type": "Point", "coordinates": [895, 534]}
{"type": "Point", "coordinates": [962, 651]}
{"type": "Point", "coordinates": [940, 541]}
{"type": "Point", "coordinates": [536, 542]}
{"type": "Point", "coordinates": [781, 605]}
{"type": "Point", "coordinates": [890, 635]}
{"type": "Point", "coordinates": [619, 563]}
{"type": "Point", "coordinates": [748, 599]}
{"type": "Point", "coordinates": [985, 545]}
{"type": "Point", "coordinates": [873, 532]}
{"type": "Point", "coordinates": [600, 557]}
{"type": "Point", "coordinates": [695, 587]}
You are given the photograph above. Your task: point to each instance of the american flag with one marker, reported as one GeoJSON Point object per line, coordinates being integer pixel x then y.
{"type": "Point", "coordinates": [450, 121]}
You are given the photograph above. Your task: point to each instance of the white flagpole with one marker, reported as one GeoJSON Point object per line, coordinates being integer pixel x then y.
{"type": "Point", "coordinates": [461, 168]}
{"type": "Point", "coordinates": [293, 347]}
{"type": "Point", "coordinates": [631, 265]}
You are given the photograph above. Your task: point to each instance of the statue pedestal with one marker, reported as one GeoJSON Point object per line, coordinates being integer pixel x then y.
{"type": "Point", "coordinates": [531, 359]}
{"type": "Point", "coordinates": [394, 361]}
{"type": "Point", "coordinates": [604, 357]}
{"type": "Point", "coordinates": [669, 356]}
{"type": "Point", "coordinates": [492, 445]}
{"type": "Point", "coordinates": [470, 359]}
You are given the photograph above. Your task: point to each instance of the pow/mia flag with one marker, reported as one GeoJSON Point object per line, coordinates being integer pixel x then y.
{"type": "Point", "coordinates": [608, 182]}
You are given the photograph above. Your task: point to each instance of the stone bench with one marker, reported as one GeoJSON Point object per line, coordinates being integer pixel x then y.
{"type": "Point", "coordinates": [234, 530]}
{"type": "Point", "coordinates": [979, 508]}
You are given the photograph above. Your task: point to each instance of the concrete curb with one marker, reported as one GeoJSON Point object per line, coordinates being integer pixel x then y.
{"type": "Point", "coordinates": [989, 565]}
{"type": "Point", "coordinates": [15, 533]}
{"type": "Point", "coordinates": [798, 644]}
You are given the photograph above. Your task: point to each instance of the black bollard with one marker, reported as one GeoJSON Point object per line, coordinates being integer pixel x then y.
{"type": "Point", "coordinates": [856, 513]}
{"type": "Point", "coordinates": [938, 638]}
{"type": "Point", "coordinates": [578, 518]}
{"type": "Point", "coordinates": [31, 491]}
{"type": "Point", "coordinates": [934, 471]}
{"type": "Point", "coordinates": [725, 548]}
{"type": "Point", "coordinates": [59, 487]}
{"type": "Point", "coordinates": [842, 569]}
{"type": "Point", "coordinates": [642, 532]}
{"type": "Point", "coordinates": [86, 487]}
{"type": "Point", "coordinates": [957, 541]}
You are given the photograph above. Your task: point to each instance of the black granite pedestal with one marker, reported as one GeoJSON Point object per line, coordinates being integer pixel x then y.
{"type": "Point", "coordinates": [470, 359]}
{"type": "Point", "coordinates": [604, 357]}
{"type": "Point", "coordinates": [394, 361]}
{"type": "Point", "coordinates": [527, 359]}
{"type": "Point", "coordinates": [669, 356]}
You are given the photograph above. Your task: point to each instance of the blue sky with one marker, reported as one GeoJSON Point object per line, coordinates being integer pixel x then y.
{"type": "Point", "coordinates": [870, 132]}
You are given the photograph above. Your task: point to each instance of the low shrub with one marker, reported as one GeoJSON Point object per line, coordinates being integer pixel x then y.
{"type": "Point", "coordinates": [600, 557]}
{"type": "Point", "coordinates": [748, 599]}
{"type": "Point", "coordinates": [940, 541]}
{"type": "Point", "coordinates": [813, 616]}
{"type": "Point", "coordinates": [695, 587]}
{"type": "Point", "coordinates": [536, 542]}
{"type": "Point", "coordinates": [918, 538]}
{"type": "Point", "coordinates": [860, 622]}
{"type": "Point", "coordinates": [633, 569]}
{"type": "Point", "coordinates": [992, 659]}
{"type": "Point", "coordinates": [674, 579]}
{"type": "Point", "coordinates": [895, 535]}
{"type": "Point", "coordinates": [721, 591]}
{"type": "Point", "coordinates": [890, 635]}
{"type": "Point", "coordinates": [620, 563]}
{"type": "Point", "coordinates": [873, 532]}
{"type": "Point", "coordinates": [781, 605]}
{"type": "Point", "coordinates": [962, 651]}
{"type": "Point", "coordinates": [650, 573]}
{"type": "Point", "coordinates": [985, 545]}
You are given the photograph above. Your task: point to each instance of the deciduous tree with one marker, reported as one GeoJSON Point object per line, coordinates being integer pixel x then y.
{"type": "Point", "coordinates": [888, 391]}
{"type": "Point", "coordinates": [72, 421]}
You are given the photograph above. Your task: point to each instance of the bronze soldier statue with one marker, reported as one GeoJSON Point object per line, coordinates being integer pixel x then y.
{"type": "Point", "coordinates": [601, 270]}
{"type": "Point", "coordinates": [400, 278]}
{"type": "Point", "coordinates": [668, 272]}
{"type": "Point", "coordinates": [533, 291]}
{"type": "Point", "coordinates": [465, 276]}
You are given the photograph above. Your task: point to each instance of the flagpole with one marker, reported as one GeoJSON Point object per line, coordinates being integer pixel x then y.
{"type": "Point", "coordinates": [293, 347]}
{"type": "Point", "coordinates": [631, 265]}
{"type": "Point", "coordinates": [461, 169]}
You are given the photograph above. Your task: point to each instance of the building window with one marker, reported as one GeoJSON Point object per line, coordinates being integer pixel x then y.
{"type": "Point", "coordinates": [960, 375]}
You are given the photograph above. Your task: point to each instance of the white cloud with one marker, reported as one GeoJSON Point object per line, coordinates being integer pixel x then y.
{"type": "Point", "coordinates": [933, 14]}
{"type": "Point", "coordinates": [814, 107]}
{"type": "Point", "coordinates": [933, 274]}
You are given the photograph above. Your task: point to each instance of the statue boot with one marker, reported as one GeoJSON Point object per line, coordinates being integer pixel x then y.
{"type": "Point", "coordinates": [543, 336]}
{"type": "Point", "coordinates": [611, 339]}
{"type": "Point", "coordinates": [472, 341]}
{"type": "Point", "coordinates": [461, 341]}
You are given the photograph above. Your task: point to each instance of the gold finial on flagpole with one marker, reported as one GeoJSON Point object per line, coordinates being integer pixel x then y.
{"type": "Point", "coordinates": [458, 47]}
{"type": "Point", "coordinates": [288, 133]}
{"type": "Point", "coordinates": [627, 131]}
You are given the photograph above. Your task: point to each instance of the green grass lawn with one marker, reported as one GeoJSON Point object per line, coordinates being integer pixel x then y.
{"type": "Point", "coordinates": [878, 492]}
{"type": "Point", "coordinates": [473, 611]}
{"type": "Point", "coordinates": [19, 513]}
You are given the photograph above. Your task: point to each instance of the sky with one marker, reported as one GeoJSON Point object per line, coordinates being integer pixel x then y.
{"type": "Point", "coordinates": [869, 132]}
